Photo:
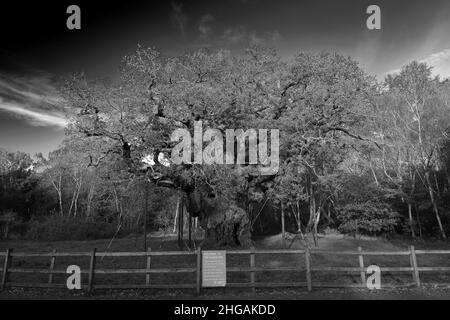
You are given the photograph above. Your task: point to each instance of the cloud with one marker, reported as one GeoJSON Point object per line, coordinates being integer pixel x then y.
{"type": "Point", "coordinates": [205, 25]}
{"type": "Point", "coordinates": [178, 17]}
{"type": "Point", "coordinates": [231, 38]}
{"type": "Point", "coordinates": [269, 38]}
{"type": "Point", "coordinates": [438, 57]}
{"type": "Point", "coordinates": [239, 35]}
{"type": "Point", "coordinates": [33, 98]}
{"type": "Point", "coordinates": [34, 118]}
{"type": "Point", "coordinates": [35, 89]}
{"type": "Point", "coordinates": [440, 61]}
{"type": "Point", "coordinates": [235, 35]}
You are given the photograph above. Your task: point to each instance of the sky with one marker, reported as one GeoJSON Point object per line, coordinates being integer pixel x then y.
{"type": "Point", "coordinates": [37, 50]}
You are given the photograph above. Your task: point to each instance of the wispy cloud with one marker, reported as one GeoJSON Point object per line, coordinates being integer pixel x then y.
{"type": "Point", "coordinates": [35, 89]}
{"type": "Point", "coordinates": [178, 17]}
{"type": "Point", "coordinates": [34, 118]}
{"type": "Point", "coordinates": [33, 98]}
{"type": "Point", "coordinates": [440, 61]}
{"type": "Point", "coordinates": [240, 35]}
{"type": "Point", "coordinates": [233, 37]}
{"type": "Point", "coordinates": [439, 57]}
{"type": "Point", "coordinates": [205, 25]}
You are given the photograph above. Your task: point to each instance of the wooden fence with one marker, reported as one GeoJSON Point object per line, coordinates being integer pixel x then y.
{"type": "Point", "coordinates": [414, 269]}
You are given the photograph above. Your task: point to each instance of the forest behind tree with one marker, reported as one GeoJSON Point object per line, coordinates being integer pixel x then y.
{"type": "Point", "coordinates": [357, 155]}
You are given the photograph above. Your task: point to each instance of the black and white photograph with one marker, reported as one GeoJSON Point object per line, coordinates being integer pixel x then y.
{"type": "Point", "coordinates": [221, 157]}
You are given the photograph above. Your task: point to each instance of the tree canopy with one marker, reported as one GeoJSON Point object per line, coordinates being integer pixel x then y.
{"type": "Point", "coordinates": [355, 153]}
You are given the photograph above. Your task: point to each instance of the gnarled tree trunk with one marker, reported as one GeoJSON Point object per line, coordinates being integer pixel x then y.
{"type": "Point", "coordinates": [225, 224]}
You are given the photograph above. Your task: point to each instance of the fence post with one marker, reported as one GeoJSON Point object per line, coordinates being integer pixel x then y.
{"type": "Point", "coordinates": [199, 269]}
{"type": "Point", "coordinates": [190, 229]}
{"type": "Point", "coordinates": [52, 266]}
{"type": "Point", "coordinates": [252, 266]}
{"type": "Point", "coordinates": [149, 265]}
{"type": "Point", "coordinates": [6, 265]}
{"type": "Point", "coordinates": [413, 259]}
{"type": "Point", "coordinates": [308, 269]}
{"type": "Point", "coordinates": [283, 233]}
{"type": "Point", "coordinates": [361, 265]}
{"type": "Point", "coordinates": [91, 270]}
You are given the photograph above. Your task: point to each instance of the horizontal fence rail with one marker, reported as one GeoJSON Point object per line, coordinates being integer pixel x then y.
{"type": "Point", "coordinates": [194, 271]}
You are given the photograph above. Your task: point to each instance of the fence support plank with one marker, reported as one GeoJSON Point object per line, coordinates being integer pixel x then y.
{"type": "Point", "coordinates": [6, 265]}
{"type": "Point", "coordinates": [361, 265]}
{"type": "Point", "coordinates": [52, 267]}
{"type": "Point", "coordinates": [308, 269]}
{"type": "Point", "coordinates": [199, 270]}
{"type": "Point", "coordinates": [416, 276]}
{"type": "Point", "coordinates": [91, 270]}
{"type": "Point", "coordinates": [252, 265]}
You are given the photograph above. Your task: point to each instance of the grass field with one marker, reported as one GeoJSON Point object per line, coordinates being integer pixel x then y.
{"type": "Point", "coordinates": [329, 243]}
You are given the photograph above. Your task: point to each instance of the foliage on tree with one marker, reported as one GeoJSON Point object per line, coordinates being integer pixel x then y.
{"type": "Point", "coordinates": [355, 154]}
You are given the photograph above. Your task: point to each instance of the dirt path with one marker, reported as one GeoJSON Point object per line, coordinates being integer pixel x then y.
{"type": "Point", "coordinates": [406, 294]}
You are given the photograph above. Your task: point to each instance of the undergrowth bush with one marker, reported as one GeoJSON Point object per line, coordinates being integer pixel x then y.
{"type": "Point", "coordinates": [368, 218]}
{"type": "Point", "coordinates": [57, 228]}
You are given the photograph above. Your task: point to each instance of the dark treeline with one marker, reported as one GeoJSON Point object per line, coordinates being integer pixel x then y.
{"type": "Point", "coordinates": [356, 155]}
